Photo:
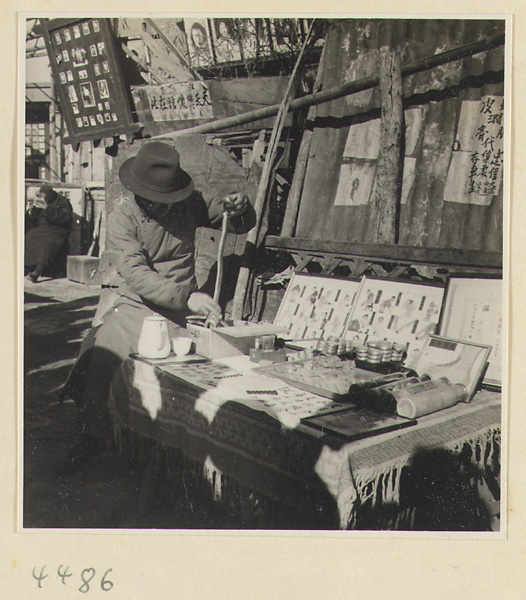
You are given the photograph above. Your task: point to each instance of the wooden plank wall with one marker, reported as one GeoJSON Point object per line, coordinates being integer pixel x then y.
{"type": "Point", "coordinates": [84, 165]}
{"type": "Point", "coordinates": [432, 98]}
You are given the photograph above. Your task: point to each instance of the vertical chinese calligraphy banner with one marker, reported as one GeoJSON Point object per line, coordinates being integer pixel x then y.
{"type": "Point", "coordinates": [475, 171]}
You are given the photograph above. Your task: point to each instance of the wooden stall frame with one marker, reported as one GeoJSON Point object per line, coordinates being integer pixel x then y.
{"type": "Point", "coordinates": [383, 260]}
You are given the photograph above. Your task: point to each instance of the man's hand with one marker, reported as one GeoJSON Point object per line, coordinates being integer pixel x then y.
{"type": "Point", "coordinates": [235, 204]}
{"type": "Point", "coordinates": [203, 304]}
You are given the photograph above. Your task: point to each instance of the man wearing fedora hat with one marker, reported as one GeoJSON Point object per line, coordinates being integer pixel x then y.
{"type": "Point", "coordinates": [152, 238]}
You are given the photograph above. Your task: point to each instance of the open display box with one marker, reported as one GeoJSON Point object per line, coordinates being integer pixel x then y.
{"type": "Point", "coordinates": [473, 311]}
{"type": "Point", "coordinates": [397, 311]}
{"type": "Point", "coordinates": [316, 306]}
{"type": "Point", "coordinates": [449, 371]}
{"type": "Point", "coordinates": [461, 363]}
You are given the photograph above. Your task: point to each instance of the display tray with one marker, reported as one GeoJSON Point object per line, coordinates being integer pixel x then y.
{"type": "Point", "coordinates": [405, 312]}
{"type": "Point", "coordinates": [354, 423]}
{"type": "Point", "coordinates": [326, 376]}
{"type": "Point", "coordinates": [316, 306]}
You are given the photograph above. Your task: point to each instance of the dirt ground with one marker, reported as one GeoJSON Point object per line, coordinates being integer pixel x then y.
{"type": "Point", "coordinates": [105, 494]}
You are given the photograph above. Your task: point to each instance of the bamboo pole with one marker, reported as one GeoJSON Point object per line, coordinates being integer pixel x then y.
{"type": "Point", "coordinates": [346, 89]}
{"type": "Point", "coordinates": [259, 204]}
{"type": "Point", "coordinates": [158, 79]}
{"type": "Point", "coordinates": [220, 257]}
{"type": "Point", "coordinates": [53, 173]}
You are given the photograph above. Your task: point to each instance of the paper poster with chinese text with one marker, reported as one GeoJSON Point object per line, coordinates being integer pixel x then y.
{"type": "Point", "coordinates": [178, 101]}
{"type": "Point", "coordinates": [475, 172]}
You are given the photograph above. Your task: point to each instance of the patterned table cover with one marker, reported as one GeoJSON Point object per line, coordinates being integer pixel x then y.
{"type": "Point", "coordinates": [248, 445]}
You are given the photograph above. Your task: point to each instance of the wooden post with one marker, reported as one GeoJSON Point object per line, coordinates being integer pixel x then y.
{"type": "Point", "coordinates": [389, 165]}
{"type": "Point", "coordinates": [53, 165]}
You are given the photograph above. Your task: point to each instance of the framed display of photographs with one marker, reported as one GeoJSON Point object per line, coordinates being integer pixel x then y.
{"type": "Point", "coordinates": [398, 311]}
{"type": "Point", "coordinates": [472, 311]}
{"type": "Point", "coordinates": [87, 75]}
{"type": "Point", "coordinates": [316, 307]}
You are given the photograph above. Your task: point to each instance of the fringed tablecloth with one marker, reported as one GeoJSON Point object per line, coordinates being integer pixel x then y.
{"type": "Point", "coordinates": [280, 474]}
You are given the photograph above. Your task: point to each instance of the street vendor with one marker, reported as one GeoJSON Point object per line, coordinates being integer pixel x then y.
{"type": "Point", "coordinates": [152, 236]}
{"type": "Point", "coordinates": [51, 216]}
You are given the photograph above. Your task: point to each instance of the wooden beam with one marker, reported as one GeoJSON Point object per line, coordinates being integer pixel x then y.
{"type": "Point", "coordinates": [159, 78]}
{"type": "Point", "coordinates": [172, 48]}
{"type": "Point", "coordinates": [345, 89]}
{"type": "Point", "coordinates": [480, 259]}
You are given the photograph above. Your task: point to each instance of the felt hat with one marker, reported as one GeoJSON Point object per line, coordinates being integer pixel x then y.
{"type": "Point", "coordinates": [155, 174]}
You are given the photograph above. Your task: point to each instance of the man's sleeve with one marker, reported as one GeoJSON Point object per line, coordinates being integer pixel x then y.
{"type": "Point", "coordinates": [138, 272]}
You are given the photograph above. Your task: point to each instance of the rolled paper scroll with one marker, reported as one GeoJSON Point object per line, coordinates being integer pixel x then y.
{"type": "Point", "coordinates": [443, 395]}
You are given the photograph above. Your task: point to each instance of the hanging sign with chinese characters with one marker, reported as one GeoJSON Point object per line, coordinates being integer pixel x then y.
{"type": "Point", "coordinates": [88, 78]}
{"type": "Point", "coordinates": [178, 101]}
{"type": "Point", "coordinates": [475, 173]}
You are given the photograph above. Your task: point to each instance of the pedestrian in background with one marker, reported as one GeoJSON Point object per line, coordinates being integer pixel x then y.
{"type": "Point", "coordinates": [52, 214]}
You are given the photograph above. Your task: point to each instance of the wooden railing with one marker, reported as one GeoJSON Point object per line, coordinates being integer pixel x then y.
{"type": "Point", "coordinates": [352, 259]}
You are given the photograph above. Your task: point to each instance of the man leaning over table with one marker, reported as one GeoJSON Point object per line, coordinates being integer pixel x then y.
{"type": "Point", "coordinates": [153, 237]}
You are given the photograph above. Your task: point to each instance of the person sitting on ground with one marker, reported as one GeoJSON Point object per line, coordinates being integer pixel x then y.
{"type": "Point", "coordinates": [52, 213]}
{"type": "Point", "coordinates": [152, 236]}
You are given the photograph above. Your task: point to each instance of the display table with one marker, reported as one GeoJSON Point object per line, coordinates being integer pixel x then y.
{"type": "Point", "coordinates": [278, 473]}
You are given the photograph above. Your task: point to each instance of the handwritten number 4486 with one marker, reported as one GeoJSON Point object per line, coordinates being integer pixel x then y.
{"type": "Point", "coordinates": [87, 576]}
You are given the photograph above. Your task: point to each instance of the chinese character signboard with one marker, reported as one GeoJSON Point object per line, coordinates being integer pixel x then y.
{"type": "Point", "coordinates": [177, 101]}
{"type": "Point", "coordinates": [88, 78]}
{"type": "Point", "coordinates": [475, 173]}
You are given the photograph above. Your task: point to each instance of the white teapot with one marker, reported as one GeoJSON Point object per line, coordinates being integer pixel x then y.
{"type": "Point", "coordinates": [154, 341]}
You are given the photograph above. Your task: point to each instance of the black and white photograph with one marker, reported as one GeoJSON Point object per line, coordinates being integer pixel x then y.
{"type": "Point", "coordinates": [162, 387]}
{"type": "Point", "coordinates": [264, 305]}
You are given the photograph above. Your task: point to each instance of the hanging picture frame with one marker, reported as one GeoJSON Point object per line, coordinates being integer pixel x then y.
{"type": "Point", "coordinates": [76, 49]}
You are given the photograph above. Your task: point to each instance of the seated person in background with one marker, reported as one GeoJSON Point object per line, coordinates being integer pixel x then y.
{"type": "Point", "coordinates": [153, 239]}
{"type": "Point", "coordinates": [52, 214]}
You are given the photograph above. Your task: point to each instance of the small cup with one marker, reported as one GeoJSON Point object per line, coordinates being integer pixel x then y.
{"type": "Point", "coordinates": [181, 345]}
